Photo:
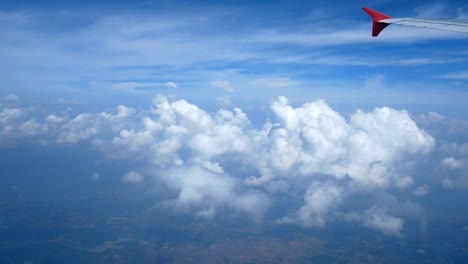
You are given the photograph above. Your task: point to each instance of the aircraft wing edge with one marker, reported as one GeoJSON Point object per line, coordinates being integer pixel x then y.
{"type": "Point", "coordinates": [381, 21]}
{"type": "Point", "coordinates": [377, 17]}
{"type": "Point", "coordinates": [441, 24]}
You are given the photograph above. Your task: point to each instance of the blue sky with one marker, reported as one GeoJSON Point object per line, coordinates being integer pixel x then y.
{"type": "Point", "coordinates": [234, 51]}
{"type": "Point", "coordinates": [168, 90]}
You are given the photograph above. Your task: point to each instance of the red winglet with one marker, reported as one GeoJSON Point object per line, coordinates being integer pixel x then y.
{"type": "Point", "coordinates": [377, 26]}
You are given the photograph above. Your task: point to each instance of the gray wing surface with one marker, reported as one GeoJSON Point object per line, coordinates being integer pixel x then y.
{"type": "Point", "coordinates": [441, 24]}
{"type": "Point", "coordinates": [381, 21]}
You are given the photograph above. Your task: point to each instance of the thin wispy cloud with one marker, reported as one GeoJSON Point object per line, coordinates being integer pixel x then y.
{"type": "Point", "coordinates": [109, 50]}
{"type": "Point", "coordinates": [461, 75]}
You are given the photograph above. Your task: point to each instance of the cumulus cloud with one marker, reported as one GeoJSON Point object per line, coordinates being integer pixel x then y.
{"type": "Point", "coordinates": [315, 139]}
{"type": "Point", "coordinates": [122, 112]}
{"type": "Point", "coordinates": [378, 218]}
{"type": "Point", "coordinates": [22, 123]}
{"type": "Point", "coordinates": [213, 162]}
{"type": "Point", "coordinates": [79, 128]}
{"type": "Point", "coordinates": [54, 119]}
{"type": "Point", "coordinates": [206, 192]}
{"type": "Point", "coordinates": [452, 163]}
{"type": "Point", "coordinates": [7, 115]}
{"type": "Point", "coordinates": [451, 154]}
{"type": "Point", "coordinates": [319, 200]}
{"type": "Point", "coordinates": [306, 142]}
{"type": "Point", "coordinates": [31, 128]}
{"type": "Point", "coordinates": [17, 123]}
{"type": "Point", "coordinates": [132, 177]}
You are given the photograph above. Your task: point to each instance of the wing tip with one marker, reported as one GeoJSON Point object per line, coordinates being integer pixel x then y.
{"type": "Point", "coordinates": [376, 16]}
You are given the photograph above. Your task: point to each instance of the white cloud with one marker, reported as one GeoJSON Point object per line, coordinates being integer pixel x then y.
{"type": "Point", "coordinates": [309, 140]}
{"type": "Point", "coordinates": [432, 117]}
{"type": "Point", "coordinates": [207, 192]}
{"type": "Point", "coordinates": [378, 218]}
{"type": "Point", "coordinates": [421, 191]}
{"type": "Point", "coordinates": [122, 112]}
{"type": "Point", "coordinates": [319, 201]}
{"type": "Point", "coordinates": [447, 183]}
{"type": "Point", "coordinates": [171, 85]}
{"type": "Point", "coordinates": [54, 119]}
{"type": "Point", "coordinates": [75, 136]}
{"type": "Point", "coordinates": [224, 101]}
{"type": "Point", "coordinates": [8, 115]}
{"type": "Point", "coordinates": [404, 182]}
{"type": "Point", "coordinates": [17, 123]}
{"type": "Point", "coordinates": [273, 82]}
{"type": "Point", "coordinates": [132, 177]}
{"type": "Point", "coordinates": [453, 163]}
{"type": "Point", "coordinates": [31, 128]}
{"type": "Point", "coordinates": [207, 213]}
{"type": "Point", "coordinates": [136, 86]}
{"type": "Point", "coordinates": [212, 162]}
{"type": "Point", "coordinates": [214, 167]}
{"type": "Point", "coordinates": [66, 101]}
{"type": "Point", "coordinates": [460, 75]}
{"type": "Point", "coordinates": [225, 85]}
{"type": "Point", "coordinates": [11, 97]}
{"type": "Point", "coordinates": [315, 139]}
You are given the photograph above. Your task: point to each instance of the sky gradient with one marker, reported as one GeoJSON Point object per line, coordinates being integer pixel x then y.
{"type": "Point", "coordinates": [283, 113]}
{"type": "Point", "coordinates": [231, 51]}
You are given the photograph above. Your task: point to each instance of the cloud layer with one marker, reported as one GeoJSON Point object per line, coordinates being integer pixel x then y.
{"type": "Point", "coordinates": [212, 163]}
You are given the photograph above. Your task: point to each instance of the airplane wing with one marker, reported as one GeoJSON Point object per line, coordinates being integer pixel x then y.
{"type": "Point", "coordinates": [381, 21]}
